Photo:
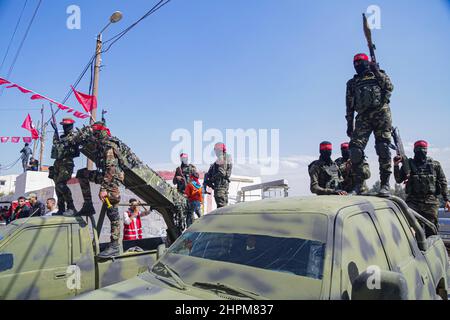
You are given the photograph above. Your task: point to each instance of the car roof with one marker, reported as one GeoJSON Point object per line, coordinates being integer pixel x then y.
{"type": "Point", "coordinates": [328, 205]}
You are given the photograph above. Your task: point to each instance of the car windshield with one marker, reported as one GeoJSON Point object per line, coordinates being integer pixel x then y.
{"type": "Point", "coordinates": [297, 256]}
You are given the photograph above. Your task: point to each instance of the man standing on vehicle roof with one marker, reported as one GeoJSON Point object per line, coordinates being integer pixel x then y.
{"type": "Point", "coordinates": [218, 175]}
{"type": "Point", "coordinates": [326, 178]}
{"type": "Point", "coordinates": [368, 94]}
{"type": "Point", "coordinates": [64, 150]}
{"type": "Point", "coordinates": [108, 174]}
{"type": "Point", "coordinates": [424, 182]}
{"type": "Point", "coordinates": [348, 174]}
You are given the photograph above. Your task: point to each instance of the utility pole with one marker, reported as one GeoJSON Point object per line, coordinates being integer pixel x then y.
{"type": "Point", "coordinates": [43, 133]}
{"type": "Point", "coordinates": [115, 17]}
{"type": "Point", "coordinates": [98, 62]}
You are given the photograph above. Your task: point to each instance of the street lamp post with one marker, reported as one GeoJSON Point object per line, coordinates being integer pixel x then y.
{"type": "Point", "coordinates": [115, 17]}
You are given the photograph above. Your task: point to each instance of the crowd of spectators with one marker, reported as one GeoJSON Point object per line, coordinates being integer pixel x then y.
{"type": "Point", "coordinates": [28, 207]}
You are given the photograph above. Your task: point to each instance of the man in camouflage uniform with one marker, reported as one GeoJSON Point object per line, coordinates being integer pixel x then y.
{"type": "Point", "coordinates": [345, 166]}
{"type": "Point", "coordinates": [64, 150]}
{"type": "Point", "coordinates": [326, 178]}
{"type": "Point", "coordinates": [218, 175]}
{"type": "Point", "coordinates": [109, 175]}
{"type": "Point", "coordinates": [425, 181]}
{"type": "Point", "coordinates": [26, 152]}
{"type": "Point", "coordinates": [183, 173]}
{"type": "Point", "coordinates": [368, 94]}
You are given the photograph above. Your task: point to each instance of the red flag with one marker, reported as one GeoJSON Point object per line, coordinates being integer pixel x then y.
{"type": "Point", "coordinates": [37, 97]}
{"type": "Point", "coordinates": [15, 139]}
{"type": "Point", "coordinates": [80, 115]}
{"type": "Point", "coordinates": [26, 139]}
{"type": "Point", "coordinates": [4, 139]}
{"type": "Point", "coordinates": [20, 88]}
{"type": "Point", "coordinates": [28, 125]}
{"type": "Point", "coordinates": [88, 102]}
{"type": "Point", "coordinates": [3, 81]}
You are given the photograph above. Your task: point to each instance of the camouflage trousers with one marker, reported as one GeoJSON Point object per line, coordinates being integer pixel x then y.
{"type": "Point", "coordinates": [85, 177]}
{"type": "Point", "coordinates": [427, 209]}
{"type": "Point", "coordinates": [380, 123]}
{"type": "Point", "coordinates": [61, 172]}
{"type": "Point", "coordinates": [221, 196]}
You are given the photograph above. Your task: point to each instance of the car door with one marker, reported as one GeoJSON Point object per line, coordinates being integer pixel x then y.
{"type": "Point", "coordinates": [40, 261]}
{"type": "Point", "coordinates": [400, 253]}
{"type": "Point", "coordinates": [358, 249]}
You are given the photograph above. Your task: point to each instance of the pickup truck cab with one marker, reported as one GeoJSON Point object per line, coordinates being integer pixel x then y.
{"type": "Point", "coordinates": [56, 258]}
{"type": "Point", "coordinates": [321, 247]}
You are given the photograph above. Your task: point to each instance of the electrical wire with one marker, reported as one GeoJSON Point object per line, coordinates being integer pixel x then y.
{"type": "Point", "coordinates": [13, 35]}
{"type": "Point", "coordinates": [23, 40]}
{"type": "Point", "coordinates": [118, 36]}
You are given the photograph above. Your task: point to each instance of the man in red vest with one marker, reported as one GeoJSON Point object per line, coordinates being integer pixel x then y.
{"type": "Point", "coordinates": [132, 224]}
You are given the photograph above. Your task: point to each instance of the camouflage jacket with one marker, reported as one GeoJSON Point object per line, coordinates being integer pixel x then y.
{"type": "Point", "coordinates": [184, 172]}
{"type": "Point", "coordinates": [349, 177]}
{"type": "Point", "coordinates": [66, 147]}
{"type": "Point", "coordinates": [424, 182]}
{"type": "Point", "coordinates": [356, 86]}
{"type": "Point", "coordinates": [219, 173]}
{"type": "Point", "coordinates": [108, 162]}
{"type": "Point", "coordinates": [325, 178]}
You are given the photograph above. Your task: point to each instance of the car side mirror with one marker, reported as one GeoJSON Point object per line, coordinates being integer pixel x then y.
{"type": "Point", "coordinates": [379, 285]}
{"type": "Point", "coordinates": [6, 261]}
{"type": "Point", "coordinates": [161, 250]}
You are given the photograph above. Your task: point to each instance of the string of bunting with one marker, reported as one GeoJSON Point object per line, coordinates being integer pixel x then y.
{"type": "Point", "coordinates": [88, 102]}
{"type": "Point", "coordinates": [15, 139]}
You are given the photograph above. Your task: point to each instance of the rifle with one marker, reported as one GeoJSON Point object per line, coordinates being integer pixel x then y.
{"type": "Point", "coordinates": [398, 147]}
{"type": "Point", "coordinates": [368, 35]}
{"type": "Point", "coordinates": [54, 125]}
{"type": "Point", "coordinates": [207, 183]}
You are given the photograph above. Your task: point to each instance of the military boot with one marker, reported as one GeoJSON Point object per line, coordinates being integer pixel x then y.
{"type": "Point", "coordinates": [385, 188]}
{"type": "Point", "coordinates": [87, 209]}
{"type": "Point", "coordinates": [111, 251]}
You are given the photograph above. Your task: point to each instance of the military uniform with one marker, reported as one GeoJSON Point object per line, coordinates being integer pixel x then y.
{"type": "Point", "coordinates": [184, 171]}
{"type": "Point", "coordinates": [425, 182]}
{"type": "Point", "coordinates": [326, 177]}
{"type": "Point", "coordinates": [64, 150]}
{"type": "Point", "coordinates": [368, 95]}
{"type": "Point", "coordinates": [26, 152]}
{"type": "Point", "coordinates": [348, 175]}
{"type": "Point", "coordinates": [218, 178]}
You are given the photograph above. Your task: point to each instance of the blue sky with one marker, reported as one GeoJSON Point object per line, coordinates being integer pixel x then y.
{"type": "Point", "coordinates": [263, 64]}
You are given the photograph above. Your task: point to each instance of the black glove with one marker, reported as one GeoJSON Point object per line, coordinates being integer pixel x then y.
{"type": "Point", "coordinates": [374, 67]}
{"type": "Point", "coordinates": [350, 129]}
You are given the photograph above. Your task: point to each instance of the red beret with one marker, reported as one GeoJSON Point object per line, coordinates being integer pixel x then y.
{"type": "Point", "coordinates": [421, 144]}
{"type": "Point", "coordinates": [360, 56]}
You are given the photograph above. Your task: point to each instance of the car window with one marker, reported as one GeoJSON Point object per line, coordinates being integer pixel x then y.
{"type": "Point", "coordinates": [361, 250]}
{"type": "Point", "coordinates": [39, 248]}
{"type": "Point", "coordinates": [395, 240]}
{"type": "Point", "coordinates": [297, 256]}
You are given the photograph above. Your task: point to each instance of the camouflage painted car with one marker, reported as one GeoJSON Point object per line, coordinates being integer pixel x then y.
{"type": "Point", "coordinates": [324, 247]}
{"type": "Point", "coordinates": [444, 227]}
{"type": "Point", "coordinates": [55, 258]}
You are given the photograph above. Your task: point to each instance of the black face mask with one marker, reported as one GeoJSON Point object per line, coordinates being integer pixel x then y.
{"type": "Point", "coordinates": [325, 155]}
{"type": "Point", "coordinates": [67, 128]}
{"type": "Point", "coordinates": [361, 66]}
{"type": "Point", "coordinates": [345, 154]}
{"type": "Point", "coordinates": [420, 155]}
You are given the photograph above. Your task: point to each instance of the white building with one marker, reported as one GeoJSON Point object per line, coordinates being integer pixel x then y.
{"type": "Point", "coordinates": [7, 184]}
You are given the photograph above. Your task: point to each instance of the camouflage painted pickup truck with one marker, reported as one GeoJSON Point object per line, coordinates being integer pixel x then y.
{"type": "Point", "coordinates": [324, 247]}
{"type": "Point", "coordinates": [55, 258]}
